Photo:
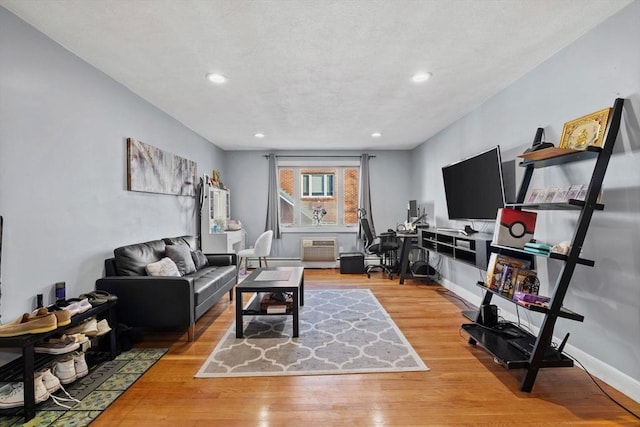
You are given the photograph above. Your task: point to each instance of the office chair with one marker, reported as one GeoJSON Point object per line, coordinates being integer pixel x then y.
{"type": "Point", "coordinates": [377, 246]}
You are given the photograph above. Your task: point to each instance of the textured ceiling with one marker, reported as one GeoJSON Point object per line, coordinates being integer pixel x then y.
{"type": "Point", "coordinates": [319, 74]}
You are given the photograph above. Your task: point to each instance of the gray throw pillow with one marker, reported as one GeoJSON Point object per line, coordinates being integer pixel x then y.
{"type": "Point", "coordinates": [181, 255]}
{"type": "Point", "coordinates": [164, 267]}
{"type": "Point", "coordinates": [199, 259]}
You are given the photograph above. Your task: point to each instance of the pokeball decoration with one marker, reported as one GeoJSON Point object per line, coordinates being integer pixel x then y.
{"type": "Point", "coordinates": [514, 228]}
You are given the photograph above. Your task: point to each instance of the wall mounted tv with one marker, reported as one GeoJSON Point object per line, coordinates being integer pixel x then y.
{"type": "Point", "coordinates": [474, 187]}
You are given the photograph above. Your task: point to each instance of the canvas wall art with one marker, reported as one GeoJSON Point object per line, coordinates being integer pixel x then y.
{"type": "Point", "coordinates": [151, 170]}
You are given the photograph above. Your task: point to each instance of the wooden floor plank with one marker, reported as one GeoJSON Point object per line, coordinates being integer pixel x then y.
{"type": "Point", "coordinates": [463, 387]}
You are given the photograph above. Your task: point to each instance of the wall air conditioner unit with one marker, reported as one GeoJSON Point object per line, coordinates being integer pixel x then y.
{"type": "Point", "coordinates": [318, 249]}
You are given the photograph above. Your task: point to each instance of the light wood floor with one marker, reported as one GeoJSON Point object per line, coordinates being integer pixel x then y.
{"type": "Point", "coordinates": [463, 387]}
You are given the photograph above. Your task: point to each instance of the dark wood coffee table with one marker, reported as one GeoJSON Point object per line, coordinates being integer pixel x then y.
{"type": "Point", "coordinates": [270, 279]}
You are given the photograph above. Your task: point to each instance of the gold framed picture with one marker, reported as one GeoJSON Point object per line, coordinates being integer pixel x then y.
{"type": "Point", "coordinates": [585, 131]}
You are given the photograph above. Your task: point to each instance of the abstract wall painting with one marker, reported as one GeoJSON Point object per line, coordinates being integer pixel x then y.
{"type": "Point", "coordinates": [151, 170]}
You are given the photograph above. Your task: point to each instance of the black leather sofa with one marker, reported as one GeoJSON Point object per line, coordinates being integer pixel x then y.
{"type": "Point", "coordinates": [164, 301]}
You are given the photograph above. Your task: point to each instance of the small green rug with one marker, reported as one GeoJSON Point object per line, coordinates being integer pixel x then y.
{"type": "Point", "coordinates": [96, 391]}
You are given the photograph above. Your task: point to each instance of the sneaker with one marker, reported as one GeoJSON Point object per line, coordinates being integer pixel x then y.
{"type": "Point", "coordinates": [35, 323]}
{"type": "Point", "coordinates": [80, 364]}
{"type": "Point", "coordinates": [12, 394]}
{"type": "Point", "coordinates": [75, 305]}
{"type": "Point", "coordinates": [65, 370]}
{"type": "Point", "coordinates": [50, 381]}
{"type": "Point", "coordinates": [88, 328]}
{"type": "Point", "coordinates": [103, 328]}
{"type": "Point", "coordinates": [65, 344]}
{"type": "Point", "coordinates": [52, 384]}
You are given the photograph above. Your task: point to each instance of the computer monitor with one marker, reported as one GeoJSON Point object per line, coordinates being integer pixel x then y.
{"type": "Point", "coordinates": [412, 211]}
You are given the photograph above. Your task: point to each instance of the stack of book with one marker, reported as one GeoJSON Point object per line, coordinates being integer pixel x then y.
{"type": "Point", "coordinates": [537, 248]}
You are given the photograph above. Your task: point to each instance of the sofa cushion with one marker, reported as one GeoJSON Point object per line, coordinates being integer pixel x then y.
{"type": "Point", "coordinates": [190, 241]}
{"type": "Point", "coordinates": [199, 259]}
{"type": "Point", "coordinates": [131, 260]}
{"type": "Point", "coordinates": [164, 267]}
{"type": "Point", "coordinates": [209, 280]}
{"type": "Point", "coordinates": [181, 255]}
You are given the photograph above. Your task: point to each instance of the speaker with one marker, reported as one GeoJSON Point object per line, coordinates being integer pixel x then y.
{"type": "Point", "coordinates": [489, 315]}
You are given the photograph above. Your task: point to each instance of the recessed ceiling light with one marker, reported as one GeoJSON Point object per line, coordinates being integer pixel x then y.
{"type": "Point", "coordinates": [376, 135]}
{"type": "Point", "coordinates": [421, 77]}
{"type": "Point", "coordinates": [216, 78]}
{"type": "Point", "coordinates": [258, 135]}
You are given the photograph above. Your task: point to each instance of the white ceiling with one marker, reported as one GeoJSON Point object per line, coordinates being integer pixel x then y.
{"type": "Point", "coordinates": [315, 74]}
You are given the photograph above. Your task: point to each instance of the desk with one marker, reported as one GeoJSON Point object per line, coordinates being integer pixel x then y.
{"type": "Point", "coordinates": [407, 240]}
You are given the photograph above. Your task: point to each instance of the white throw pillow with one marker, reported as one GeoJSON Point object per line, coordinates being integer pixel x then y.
{"type": "Point", "coordinates": [164, 267]}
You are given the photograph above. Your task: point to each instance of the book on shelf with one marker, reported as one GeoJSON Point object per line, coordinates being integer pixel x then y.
{"type": "Point", "coordinates": [514, 227]}
{"type": "Point", "coordinates": [277, 309]}
{"type": "Point", "coordinates": [537, 251]}
{"type": "Point", "coordinates": [502, 273]}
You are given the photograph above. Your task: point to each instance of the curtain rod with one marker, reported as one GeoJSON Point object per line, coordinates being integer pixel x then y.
{"type": "Point", "coordinates": [305, 155]}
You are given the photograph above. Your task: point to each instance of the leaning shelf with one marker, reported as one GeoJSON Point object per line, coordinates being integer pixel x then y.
{"type": "Point", "coordinates": [498, 345]}
{"type": "Point", "coordinates": [552, 255]}
{"type": "Point", "coordinates": [564, 312]}
{"type": "Point", "coordinates": [541, 354]}
{"type": "Point", "coordinates": [570, 205]}
{"type": "Point", "coordinates": [558, 156]}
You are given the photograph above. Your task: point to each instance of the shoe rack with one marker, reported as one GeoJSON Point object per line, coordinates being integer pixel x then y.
{"type": "Point", "coordinates": [23, 368]}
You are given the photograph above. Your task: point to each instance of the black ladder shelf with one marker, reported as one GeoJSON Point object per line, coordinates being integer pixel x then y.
{"type": "Point", "coordinates": [542, 355]}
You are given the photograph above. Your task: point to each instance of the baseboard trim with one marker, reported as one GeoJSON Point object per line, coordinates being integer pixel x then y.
{"type": "Point", "coordinates": [596, 367]}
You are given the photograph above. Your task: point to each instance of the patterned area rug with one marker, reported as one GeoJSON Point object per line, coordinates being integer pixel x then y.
{"type": "Point", "coordinates": [341, 332]}
{"type": "Point", "coordinates": [96, 391]}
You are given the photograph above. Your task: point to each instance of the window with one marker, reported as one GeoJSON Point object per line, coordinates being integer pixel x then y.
{"type": "Point", "coordinates": [317, 184]}
{"type": "Point", "coordinates": [318, 194]}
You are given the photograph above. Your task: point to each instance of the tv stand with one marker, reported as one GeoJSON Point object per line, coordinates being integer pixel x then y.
{"type": "Point", "coordinates": [452, 230]}
{"type": "Point", "coordinates": [454, 243]}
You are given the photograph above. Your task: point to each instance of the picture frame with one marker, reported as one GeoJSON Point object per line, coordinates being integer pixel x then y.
{"type": "Point", "coordinates": [152, 170]}
{"type": "Point", "coordinates": [561, 195]}
{"type": "Point", "coordinates": [574, 191]}
{"type": "Point", "coordinates": [533, 196]}
{"type": "Point", "coordinates": [585, 131]}
{"type": "Point", "coordinates": [542, 195]}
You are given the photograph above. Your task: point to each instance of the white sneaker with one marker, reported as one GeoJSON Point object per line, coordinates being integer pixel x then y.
{"type": "Point", "coordinates": [50, 381]}
{"type": "Point", "coordinates": [12, 394]}
{"type": "Point", "coordinates": [89, 328]}
{"type": "Point", "coordinates": [80, 364]}
{"type": "Point", "coordinates": [65, 370]}
{"type": "Point", "coordinates": [77, 306]}
{"type": "Point", "coordinates": [103, 328]}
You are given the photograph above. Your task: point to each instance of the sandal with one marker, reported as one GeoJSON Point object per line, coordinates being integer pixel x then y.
{"type": "Point", "coordinates": [99, 297]}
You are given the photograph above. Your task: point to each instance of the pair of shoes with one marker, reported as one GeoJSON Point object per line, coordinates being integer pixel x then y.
{"type": "Point", "coordinates": [91, 328]}
{"type": "Point", "coordinates": [99, 297]}
{"type": "Point", "coordinates": [71, 367]}
{"type": "Point", "coordinates": [35, 323]}
{"type": "Point", "coordinates": [64, 344]}
{"type": "Point", "coordinates": [53, 384]}
{"type": "Point", "coordinates": [74, 305]}
{"type": "Point", "coordinates": [12, 394]}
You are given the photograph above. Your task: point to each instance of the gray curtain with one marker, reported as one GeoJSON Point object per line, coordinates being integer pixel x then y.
{"type": "Point", "coordinates": [273, 202]}
{"type": "Point", "coordinates": [365, 194]}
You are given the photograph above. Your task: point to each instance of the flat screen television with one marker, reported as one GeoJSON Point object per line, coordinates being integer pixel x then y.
{"type": "Point", "coordinates": [474, 187]}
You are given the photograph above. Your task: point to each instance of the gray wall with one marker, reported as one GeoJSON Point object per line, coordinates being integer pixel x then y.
{"type": "Point", "coordinates": [584, 77]}
{"type": "Point", "coordinates": [63, 169]}
{"type": "Point", "coordinates": [247, 178]}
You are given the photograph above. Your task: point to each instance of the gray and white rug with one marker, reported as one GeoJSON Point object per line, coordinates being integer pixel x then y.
{"type": "Point", "coordinates": [341, 331]}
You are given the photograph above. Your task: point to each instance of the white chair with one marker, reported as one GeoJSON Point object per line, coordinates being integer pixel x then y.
{"type": "Point", "coordinates": [261, 249]}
